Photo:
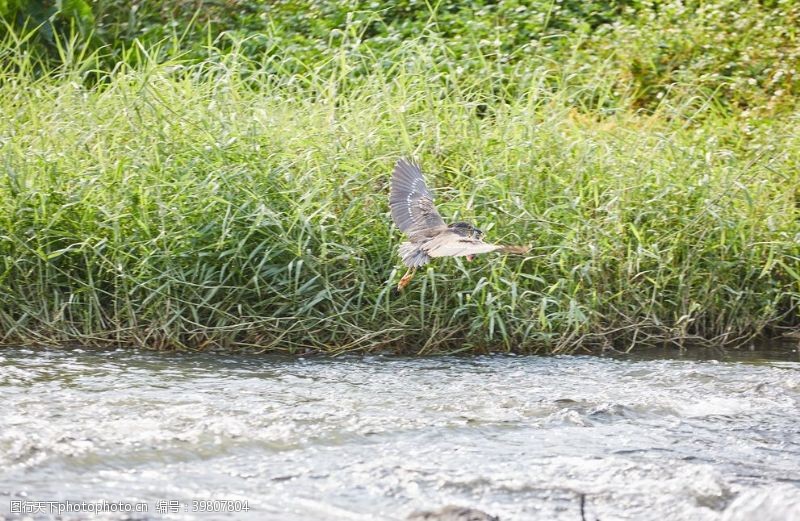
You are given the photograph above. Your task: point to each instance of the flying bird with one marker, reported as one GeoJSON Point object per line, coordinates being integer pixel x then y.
{"type": "Point", "coordinates": [429, 236]}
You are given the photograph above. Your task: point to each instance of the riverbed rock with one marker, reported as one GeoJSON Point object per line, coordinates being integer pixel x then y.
{"type": "Point", "coordinates": [452, 513]}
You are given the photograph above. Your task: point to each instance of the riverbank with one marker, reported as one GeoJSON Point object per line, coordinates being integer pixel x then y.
{"type": "Point", "coordinates": [185, 203]}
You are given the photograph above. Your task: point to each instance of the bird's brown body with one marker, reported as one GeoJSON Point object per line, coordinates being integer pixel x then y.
{"type": "Point", "coordinates": [429, 236]}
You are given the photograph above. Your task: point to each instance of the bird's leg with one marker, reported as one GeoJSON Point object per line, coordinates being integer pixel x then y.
{"type": "Point", "coordinates": [405, 279]}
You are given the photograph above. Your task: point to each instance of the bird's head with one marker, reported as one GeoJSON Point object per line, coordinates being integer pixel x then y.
{"type": "Point", "coordinates": [465, 229]}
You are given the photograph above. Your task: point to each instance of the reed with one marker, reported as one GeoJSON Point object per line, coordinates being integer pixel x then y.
{"type": "Point", "coordinates": [221, 203]}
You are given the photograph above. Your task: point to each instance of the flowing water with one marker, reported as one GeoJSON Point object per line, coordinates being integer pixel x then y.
{"type": "Point", "coordinates": [523, 438]}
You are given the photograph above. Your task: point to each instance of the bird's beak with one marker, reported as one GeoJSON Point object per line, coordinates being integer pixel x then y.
{"type": "Point", "coordinates": [470, 257]}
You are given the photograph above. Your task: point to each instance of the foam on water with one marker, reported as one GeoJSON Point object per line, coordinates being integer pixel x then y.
{"type": "Point", "coordinates": [377, 438]}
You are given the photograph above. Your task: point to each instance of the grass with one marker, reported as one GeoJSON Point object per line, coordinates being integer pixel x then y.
{"type": "Point", "coordinates": [222, 203]}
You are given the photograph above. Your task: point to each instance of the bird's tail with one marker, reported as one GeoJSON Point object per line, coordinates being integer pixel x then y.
{"type": "Point", "coordinates": [516, 250]}
{"type": "Point", "coordinates": [412, 256]}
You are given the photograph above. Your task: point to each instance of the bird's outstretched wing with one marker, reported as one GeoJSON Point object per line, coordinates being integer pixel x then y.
{"type": "Point", "coordinates": [451, 244]}
{"type": "Point", "coordinates": [411, 202]}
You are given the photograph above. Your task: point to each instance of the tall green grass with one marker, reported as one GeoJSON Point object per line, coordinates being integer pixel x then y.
{"type": "Point", "coordinates": [226, 204]}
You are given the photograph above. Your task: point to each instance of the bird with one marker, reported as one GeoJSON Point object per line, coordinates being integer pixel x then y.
{"type": "Point", "coordinates": [429, 237]}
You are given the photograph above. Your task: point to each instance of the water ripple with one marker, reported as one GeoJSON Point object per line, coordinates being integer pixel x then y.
{"type": "Point", "coordinates": [378, 438]}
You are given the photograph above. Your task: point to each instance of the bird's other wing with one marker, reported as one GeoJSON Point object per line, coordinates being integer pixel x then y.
{"type": "Point", "coordinates": [411, 202]}
{"type": "Point", "coordinates": [451, 244]}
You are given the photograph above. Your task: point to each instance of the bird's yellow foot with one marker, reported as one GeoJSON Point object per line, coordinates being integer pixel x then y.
{"type": "Point", "coordinates": [406, 279]}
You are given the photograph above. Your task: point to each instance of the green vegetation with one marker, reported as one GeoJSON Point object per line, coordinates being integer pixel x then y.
{"type": "Point", "coordinates": [223, 180]}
